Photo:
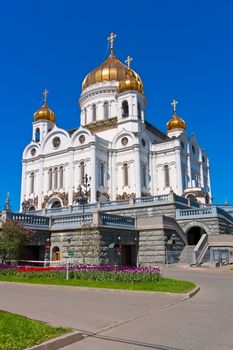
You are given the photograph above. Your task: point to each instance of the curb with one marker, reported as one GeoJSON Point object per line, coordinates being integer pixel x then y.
{"type": "Point", "coordinates": [59, 342]}
{"type": "Point", "coordinates": [193, 292]}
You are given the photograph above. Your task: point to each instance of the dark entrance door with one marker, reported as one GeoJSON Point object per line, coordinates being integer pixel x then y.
{"type": "Point", "coordinates": [194, 235]}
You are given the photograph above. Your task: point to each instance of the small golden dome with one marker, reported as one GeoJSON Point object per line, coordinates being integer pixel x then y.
{"type": "Point", "coordinates": [44, 113]}
{"type": "Point", "coordinates": [110, 69]}
{"type": "Point", "coordinates": [130, 83]}
{"type": "Point", "coordinates": [176, 123]}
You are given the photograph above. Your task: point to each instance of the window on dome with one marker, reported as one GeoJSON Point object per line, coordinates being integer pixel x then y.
{"type": "Point", "coordinates": [125, 174]}
{"type": "Point", "coordinates": [37, 136]}
{"type": "Point", "coordinates": [106, 110]}
{"type": "Point", "coordinates": [139, 110]}
{"type": "Point", "coordinates": [61, 177]}
{"type": "Point", "coordinates": [94, 113]}
{"type": "Point", "coordinates": [55, 178]}
{"type": "Point", "coordinates": [32, 182]}
{"type": "Point", "coordinates": [82, 173]}
{"type": "Point", "coordinates": [50, 179]}
{"type": "Point", "coordinates": [125, 109]}
{"type": "Point", "coordinates": [85, 116]}
{"type": "Point", "coordinates": [166, 176]}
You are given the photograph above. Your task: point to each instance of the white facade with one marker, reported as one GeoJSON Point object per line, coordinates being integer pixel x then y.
{"type": "Point", "coordinates": [123, 154]}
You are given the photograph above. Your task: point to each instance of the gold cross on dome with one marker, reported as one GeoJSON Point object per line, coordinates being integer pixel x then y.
{"type": "Point", "coordinates": [111, 39]}
{"type": "Point", "coordinates": [174, 103]}
{"type": "Point", "coordinates": [45, 93]}
{"type": "Point", "coordinates": [128, 61]}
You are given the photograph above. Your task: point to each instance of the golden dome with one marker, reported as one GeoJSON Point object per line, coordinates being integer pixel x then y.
{"type": "Point", "coordinates": [130, 83]}
{"type": "Point", "coordinates": [110, 69]}
{"type": "Point", "coordinates": [176, 123]}
{"type": "Point", "coordinates": [44, 113]}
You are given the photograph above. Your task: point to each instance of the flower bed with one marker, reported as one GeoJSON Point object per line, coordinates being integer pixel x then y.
{"type": "Point", "coordinates": [93, 273]}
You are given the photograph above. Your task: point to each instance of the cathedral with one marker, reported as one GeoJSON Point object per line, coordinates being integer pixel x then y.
{"type": "Point", "coordinates": [115, 153]}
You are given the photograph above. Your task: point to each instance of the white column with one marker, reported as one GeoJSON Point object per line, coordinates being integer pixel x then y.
{"type": "Point", "coordinates": [114, 181]}
{"type": "Point", "coordinates": [201, 175]}
{"type": "Point", "coordinates": [40, 187]}
{"type": "Point", "coordinates": [151, 174]}
{"type": "Point", "coordinates": [179, 173]}
{"type": "Point", "coordinates": [93, 174]}
{"type": "Point", "coordinates": [137, 165]}
{"type": "Point", "coordinates": [109, 169]}
{"type": "Point", "coordinates": [208, 182]}
{"type": "Point", "coordinates": [71, 178]}
{"type": "Point", "coordinates": [23, 184]}
{"type": "Point", "coordinates": [142, 115]}
{"type": "Point", "coordinates": [155, 174]}
{"type": "Point", "coordinates": [189, 172]}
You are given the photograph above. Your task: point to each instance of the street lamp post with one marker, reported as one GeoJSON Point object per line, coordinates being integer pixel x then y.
{"type": "Point", "coordinates": [83, 192]}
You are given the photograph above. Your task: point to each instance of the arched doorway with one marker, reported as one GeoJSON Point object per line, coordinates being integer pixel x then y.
{"type": "Point", "coordinates": [194, 234]}
{"type": "Point", "coordinates": [56, 254]}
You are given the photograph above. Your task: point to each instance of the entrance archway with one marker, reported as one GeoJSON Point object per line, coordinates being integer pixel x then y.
{"type": "Point", "coordinates": [194, 234]}
{"type": "Point", "coordinates": [56, 254]}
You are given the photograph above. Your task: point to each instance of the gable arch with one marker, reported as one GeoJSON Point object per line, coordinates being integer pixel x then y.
{"type": "Point", "coordinates": [62, 134]}
{"type": "Point", "coordinates": [196, 223]}
{"type": "Point", "coordinates": [116, 143]}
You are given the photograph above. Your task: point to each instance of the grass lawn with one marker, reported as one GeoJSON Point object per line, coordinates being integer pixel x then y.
{"type": "Point", "coordinates": [164, 285]}
{"type": "Point", "coordinates": [18, 332]}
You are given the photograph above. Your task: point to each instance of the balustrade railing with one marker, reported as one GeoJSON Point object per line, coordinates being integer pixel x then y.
{"type": "Point", "coordinates": [152, 199]}
{"type": "Point", "coordinates": [116, 220]}
{"type": "Point", "coordinates": [115, 204]}
{"type": "Point", "coordinates": [71, 220]}
{"type": "Point", "coordinates": [194, 213]}
{"type": "Point", "coordinates": [29, 220]}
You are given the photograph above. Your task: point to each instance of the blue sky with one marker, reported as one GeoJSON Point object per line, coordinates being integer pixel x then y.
{"type": "Point", "coordinates": [182, 50]}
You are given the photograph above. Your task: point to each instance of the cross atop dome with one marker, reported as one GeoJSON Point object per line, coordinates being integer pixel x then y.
{"type": "Point", "coordinates": [128, 61]}
{"type": "Point", "coordinates": [111, 39]}
{"type": "Point", "coordinates": [45, 93]}
{"type": "Point", "coordinates": [174, 103]}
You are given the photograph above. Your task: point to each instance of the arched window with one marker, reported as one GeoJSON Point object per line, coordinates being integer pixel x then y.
{"type": "Point", "coordinates": [139, 110]}
{"type": "Point", "coordinates": [93, 113]}
{"type": "Point", "coordinates": [61, 170]}
{"type": "Point", "coordinates": [56, 204]}
{"type": "Point", "coordinates": [166, 176]}
{"type": "Point", "coordinates": [85, 116]}
{"type": "Point", "coordinates": [125, 109]}
{"type": "Point", "coordinates": [82, 169]}
{"type": "Point", "coordinates": [144, 176]}
{"type": "Point", "coordinates": [106, 110]}
{"type": "Point", "coordinates": [37, 135]}
{"type": "Point", "coordinates": [50, 179]}
{"type": "Point", "coordinates": [32, 182]}
{"type": "Point", "coordinates": [55, 178]}
{"type": "Point", "coordinates": [125, 174]}
{"type": "Point", "coordinates": [102, 171]}
{"type": "Point", "coordinates": [56, 254]}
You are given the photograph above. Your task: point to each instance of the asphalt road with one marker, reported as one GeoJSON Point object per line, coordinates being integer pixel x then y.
{"type": "Point", "coordinates": [134, 320]}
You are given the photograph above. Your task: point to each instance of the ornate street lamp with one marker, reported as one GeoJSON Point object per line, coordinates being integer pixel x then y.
{"type": "Point", "coordinates": [83, 192]}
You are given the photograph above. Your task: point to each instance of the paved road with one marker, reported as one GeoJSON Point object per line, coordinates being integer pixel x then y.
{"type": "Point", "coordinates": [135, 320]}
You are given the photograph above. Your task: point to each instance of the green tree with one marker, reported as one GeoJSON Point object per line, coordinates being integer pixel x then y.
{"type": "Point", "coordinates": [13, 238]}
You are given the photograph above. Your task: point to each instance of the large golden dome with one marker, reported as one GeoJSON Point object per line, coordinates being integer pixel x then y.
{"type": "Point", "coordinates": [110, 69]}
{"type": "Point", "coordinates": [44, 113]}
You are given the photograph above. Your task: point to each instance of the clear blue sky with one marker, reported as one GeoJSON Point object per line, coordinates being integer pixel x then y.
{"type": "Point", "coordinates": [182, 49]}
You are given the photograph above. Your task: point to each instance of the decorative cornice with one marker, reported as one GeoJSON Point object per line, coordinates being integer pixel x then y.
{"type": "Point", "coordinates": [102, 125]}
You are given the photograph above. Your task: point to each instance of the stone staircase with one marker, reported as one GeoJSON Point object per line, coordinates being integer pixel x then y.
{"type": "Point", "coordinates": [187, 256]}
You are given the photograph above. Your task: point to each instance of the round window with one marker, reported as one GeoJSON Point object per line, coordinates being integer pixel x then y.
{"type": "Point", "coordinates": [56, 142]}
{"type": "Point", "coordinates": [33, 151]}
{"type": "Point", "coordinates": [124, 141]}
{"type": "Point", "coordinates": [81, 138]}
